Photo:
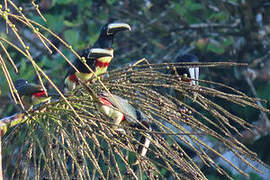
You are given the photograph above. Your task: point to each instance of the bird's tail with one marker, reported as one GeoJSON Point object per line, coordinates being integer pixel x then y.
{"type": "Point", "coordinates": [145, 140]}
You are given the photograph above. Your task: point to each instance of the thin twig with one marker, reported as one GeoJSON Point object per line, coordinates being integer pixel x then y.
{"type": "Point", "coordinates": [1, 171]}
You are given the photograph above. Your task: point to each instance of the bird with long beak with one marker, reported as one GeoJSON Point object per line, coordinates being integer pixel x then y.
{"type": "Point", "coordinates": [30, 94]}
{"type": "Point", "coordinates": [188, 74]}
{"type": "Point", "coordinates": [121, 112]}
{"type": "Point", "coordinates": [104, 45]}
{"type": "Point", "coordinates": [100, 60]}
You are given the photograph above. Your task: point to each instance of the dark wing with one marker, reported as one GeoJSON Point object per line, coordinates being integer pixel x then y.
{"type": "Point", "coordinates": [29, 89]}
{"type": "Point", "coordinates": [79, 64]}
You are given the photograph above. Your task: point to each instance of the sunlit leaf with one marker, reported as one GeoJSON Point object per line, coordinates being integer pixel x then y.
{"type": "Point", "coordinates": [215, 48]}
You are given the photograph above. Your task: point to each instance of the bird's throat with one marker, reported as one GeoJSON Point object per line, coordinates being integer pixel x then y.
{"type": "Point", "coordinates": [102, 64]}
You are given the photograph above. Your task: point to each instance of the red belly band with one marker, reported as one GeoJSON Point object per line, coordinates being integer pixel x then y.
{"type": "Point", "coordinates": [101, 64]}
{"type": "Point", "coordinates": [39, 94]}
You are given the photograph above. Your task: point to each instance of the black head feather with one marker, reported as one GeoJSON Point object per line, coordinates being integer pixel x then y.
{"type": "Point", "coordinates": [20, 82]}
{"type": "Point", "coordinates": [185, 58]}
{"type": "Point", "coordinates": [106, 36]}
{"type": "Point", "coordinates": [25, 88]}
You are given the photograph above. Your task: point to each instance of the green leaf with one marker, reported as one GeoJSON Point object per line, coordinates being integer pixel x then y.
{"type": "Point", "coordinates": [94, 38]}
{"type": "Point", "coordinates": [39, 20]}
{"type": "Point", "coordinates": [216, 48]}
{"type": "Point", "coordinates": [195, 7]}
{"type": "Point", "coordinates": [192, 19]}
{"type": "Point", "coordinates": [69, 24]}
{"type": "Point", "coordinates": [26, 72]}
{"type": "Point", "coordinates": [72, 37]}
{"type": "Point", "coordinates": [229, 41]}
{"type": "Point", "coordinates": [55, 22]}
{"type": "Point", "coordinates": [63, 1]}
{"type": "Point", "coordinates": [179, 9]}
{"type": "Point", "coordinates": [110, 2]}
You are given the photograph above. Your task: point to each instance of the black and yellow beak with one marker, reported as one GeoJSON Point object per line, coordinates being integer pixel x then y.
{"type": "Point", "coordinates": [99, 52]}
{"type": "Point", "coordinates": [113, 28]}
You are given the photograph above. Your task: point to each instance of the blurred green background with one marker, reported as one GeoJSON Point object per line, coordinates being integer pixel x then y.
{"type": "Point", "coordinates": [231, 30]}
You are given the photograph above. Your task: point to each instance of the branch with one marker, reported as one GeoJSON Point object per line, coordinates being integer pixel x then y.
{"type": "Point", "coordinates": [263, 125]}
{"type": "Point", "coordinates": [262, 128]}
{"type": "Point", "coordinates": [1, 173]}
{"type": "Point", "coordinates": [207, 25]}
{"type": "Point", "coordinates": [11, 121]}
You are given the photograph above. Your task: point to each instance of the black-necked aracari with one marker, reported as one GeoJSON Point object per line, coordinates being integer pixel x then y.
{"type": "Point", "coordinates": [106, 37]}
{"type": "Point", "coordinates": [100, 60]}
{"type": "Point", "coordinates": [30, 94]}
{"type": "Point", "coordinates": [120, 111]}
{"type": "Point", "coordinates": [192, 73]}
{"type": "Point", "coordinates": [105, 41]}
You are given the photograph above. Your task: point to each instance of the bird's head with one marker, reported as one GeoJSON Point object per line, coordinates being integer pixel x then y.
{"type": "Point", "coordinates": [191, 72]}
{"type": "Point", "coordinates": [19, 86]}
{"type": "Point", "coordinates": [20, 82]}
{"type": "Point", "coordinates": [107, 33]}
{"type": "Point", "coordinates": [28, 89]}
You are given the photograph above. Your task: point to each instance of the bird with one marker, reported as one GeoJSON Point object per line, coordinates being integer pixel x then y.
{"type": "Point", "coordinates": [31, 94]}
{"type": "Point", "coordinates": [104, 43]}
{"type": "Point", "coordinates": [118, 109]}
{"type": "Point", "coordinates": [100, 60]}
{"type": "Point", "coordinates": [122, 112]}
{"type": "Point", "coordinates": [190, 74]}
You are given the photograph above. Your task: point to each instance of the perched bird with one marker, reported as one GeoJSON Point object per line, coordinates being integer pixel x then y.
{"type": "Point", "coordinates": [118, 109]}
{"type": "Point", "coordinates": [192, 72]}
{"type": "Point", "coordinates": [30, 94]}
{"type": "Point", "coordinates": [100, 60]}
{"type": "Point", "coordinates": [106, 37]}
{"type": "Point", "coordinates": [121, 112]}
{"type": "Point", "coordinates": [105, 42]}
{"type": "Point", "coordinates": [190, 75]}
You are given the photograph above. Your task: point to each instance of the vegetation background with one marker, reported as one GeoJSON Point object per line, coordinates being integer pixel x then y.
{"type": "Point", "coordinates": [225, 30]}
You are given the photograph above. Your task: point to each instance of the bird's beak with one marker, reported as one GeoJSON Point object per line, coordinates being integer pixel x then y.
{"type": "Point", "coordinates": [99, 52]}
{"type": "Point", "coordinates": [116, 27]}
{"type": "Point", "coordinates": [194, 75]}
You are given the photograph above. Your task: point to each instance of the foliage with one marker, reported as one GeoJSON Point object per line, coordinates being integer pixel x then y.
{"type": "Point", "coordinates": [60, 144]}
{"type": "Point", "coordinates": [70, 138]}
